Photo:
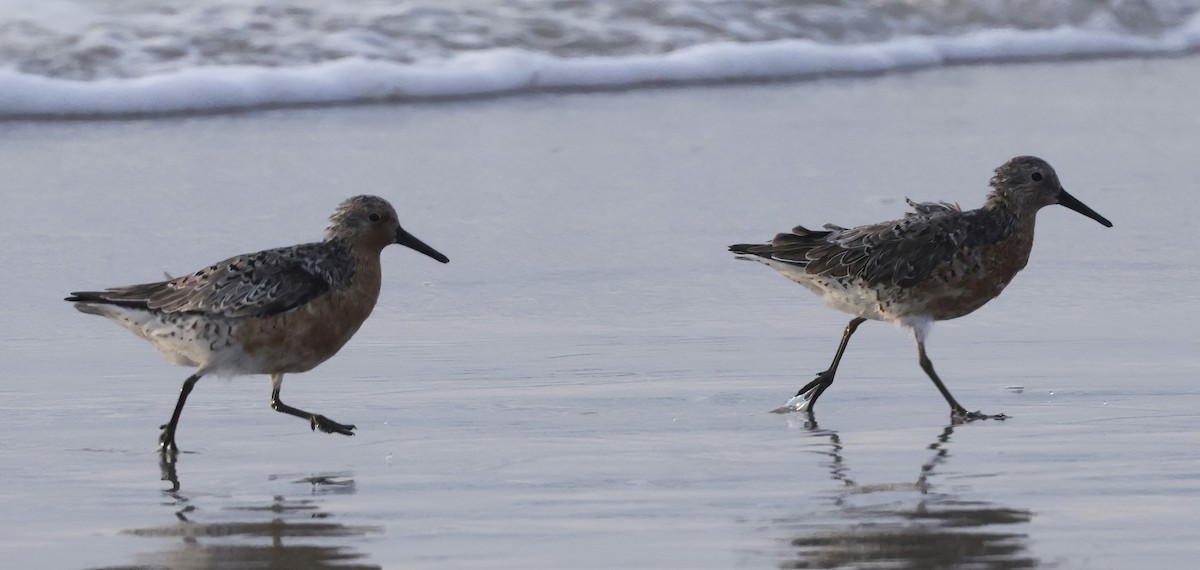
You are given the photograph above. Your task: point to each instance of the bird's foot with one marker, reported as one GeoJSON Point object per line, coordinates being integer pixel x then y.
{"type": "Point", "coordinates": [963, 416]}
{"type": "Point", "coordinates": [801, 403]}
{"type": "Point", "coordinates": [806, 398]}
{"type": "Point", "coordinates": [327, 425]}
{"type": "Point", "coordinates": [166, 441]}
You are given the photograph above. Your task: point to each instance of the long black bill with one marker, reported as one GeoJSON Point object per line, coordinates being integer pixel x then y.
{"type": "Point", "coordinates": [1070, 202]}
{"type": "Point", "coordinates": [408, 240]}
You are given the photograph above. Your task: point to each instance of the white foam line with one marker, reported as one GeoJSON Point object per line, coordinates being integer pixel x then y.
{"type": "Point", "coordinates": [507, 71]}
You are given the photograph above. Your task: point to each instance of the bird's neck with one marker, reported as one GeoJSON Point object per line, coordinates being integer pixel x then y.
{"type": "Point", "coordinates": [1016, 225]}
{"type": "Point", "coordinates": [1010, 212]}
{"type": "Point", "coordinates": [366, 278]}
{"type": "Point", "coordinates": [368, 273]}
{"type": "Point", "coordinates": [999, 200]}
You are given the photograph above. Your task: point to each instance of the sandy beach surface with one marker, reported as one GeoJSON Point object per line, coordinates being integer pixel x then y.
{"type": "Point", "coordinates": [587, 383]}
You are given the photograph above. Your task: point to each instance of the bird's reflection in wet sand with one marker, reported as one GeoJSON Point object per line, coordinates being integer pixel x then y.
{"type": "Point", "coordinates": [282, 532]}
{"type": "Point", "coordinates": [907, 525]}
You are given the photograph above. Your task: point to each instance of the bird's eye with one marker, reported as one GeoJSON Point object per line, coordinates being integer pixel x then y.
{"type": "Point", "coordinates": [375, 217]}
{"type": "Point", "coordinates": [1036, 176]}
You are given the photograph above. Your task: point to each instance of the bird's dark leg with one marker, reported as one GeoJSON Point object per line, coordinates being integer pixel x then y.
{"type": "Point", "coordinates": [957, 412]}
{"type": "Point", "coordinates": [166, 440]}
{"type": "Point", "coordinates": [814, 389]}
{"type": "Point", "coordinates": [318, 421]}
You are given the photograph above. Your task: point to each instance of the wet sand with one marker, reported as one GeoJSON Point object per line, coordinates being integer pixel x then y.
{"type": "Point", "coordinates": [587, 383]}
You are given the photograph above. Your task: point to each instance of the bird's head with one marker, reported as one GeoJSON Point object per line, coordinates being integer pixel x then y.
{"type": "Point", "coordinates": [371, 222]}
{"type": "Point", "coordinates": [1028, 183]}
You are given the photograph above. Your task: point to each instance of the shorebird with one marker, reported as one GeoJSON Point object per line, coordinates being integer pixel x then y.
{"type": "Point", "coordinates": [935, 264]}
{"type": "Point", "coordinates": [271, 312]}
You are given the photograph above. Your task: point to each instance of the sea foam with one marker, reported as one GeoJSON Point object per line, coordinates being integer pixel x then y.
{"type": "Point", "coordinates": [498, 71]}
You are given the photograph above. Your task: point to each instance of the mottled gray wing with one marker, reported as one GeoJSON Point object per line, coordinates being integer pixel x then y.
{"type": "Point", "coordinates": [256, 284]}
{"type": "Point", "coordinates": [901, 252]}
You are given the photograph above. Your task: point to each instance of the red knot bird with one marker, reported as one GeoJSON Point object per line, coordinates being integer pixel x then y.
{"type": "Point", "coordinates": [272, 312]}
{"type": "Point", "coordinates": [937, 263]}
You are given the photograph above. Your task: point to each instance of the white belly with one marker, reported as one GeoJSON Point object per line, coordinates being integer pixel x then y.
{"type": "Point", "coordinates": [183, 339]}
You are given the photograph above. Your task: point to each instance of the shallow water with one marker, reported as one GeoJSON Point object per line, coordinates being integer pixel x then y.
{"type": "Point", "coordinates": [587, 383]}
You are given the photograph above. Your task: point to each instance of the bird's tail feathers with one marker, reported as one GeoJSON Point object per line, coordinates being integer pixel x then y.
{"type": "Point", "coordinates": [89, 298]}
{"type": "Point", "coordinates": [799, 237]}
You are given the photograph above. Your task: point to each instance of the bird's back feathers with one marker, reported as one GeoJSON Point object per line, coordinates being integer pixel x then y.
{"type": "Point", "coordinates": [900, 252]}
{"type": "Point", "coordinates": [255, 284]}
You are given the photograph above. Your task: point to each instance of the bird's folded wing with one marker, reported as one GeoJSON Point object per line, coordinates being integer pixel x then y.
{"type": "Point", "coordinates": [902, 252]}
{"type": "Point", "coordinates": [258, 284]}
